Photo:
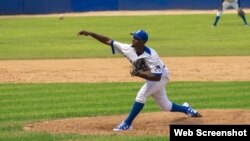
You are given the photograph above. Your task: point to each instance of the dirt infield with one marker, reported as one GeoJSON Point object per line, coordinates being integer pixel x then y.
{"type": "Point", "coordinates": [145, 124]}
{"type": "Point", "coordinates": [117, 70]}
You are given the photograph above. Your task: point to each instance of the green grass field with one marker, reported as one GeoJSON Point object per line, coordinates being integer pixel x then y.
{"type": "Point", "coordinates": [39, 38]}
{"type": "Point", "coordinates": [25, 103]}
{"type": "Point", "coordinates": [50, 38]}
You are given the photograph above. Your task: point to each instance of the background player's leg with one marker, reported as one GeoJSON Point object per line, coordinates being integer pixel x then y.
{"type": "Point", "coordinates": [217, 18]}
{"type": "Point", "coordinates": [223, 7]}
{"type": "Point", "coordinates": [241, 13]}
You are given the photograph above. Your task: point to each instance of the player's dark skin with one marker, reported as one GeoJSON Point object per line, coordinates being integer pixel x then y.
{"type": "Point", "coordinates": [138, 45]}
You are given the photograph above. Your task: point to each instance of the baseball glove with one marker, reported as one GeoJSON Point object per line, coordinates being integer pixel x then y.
{"type": "Point", "coordinates": [138, 65]}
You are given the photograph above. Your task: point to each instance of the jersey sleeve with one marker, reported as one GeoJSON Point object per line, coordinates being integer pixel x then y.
{"type": "Point", "coordinates": [156, 65]}
{"type": "Point", "coordinates": [118, 47]}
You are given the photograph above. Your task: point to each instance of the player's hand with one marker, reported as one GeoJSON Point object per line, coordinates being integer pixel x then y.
{"type": "Point", "coordinates": [83, 32]}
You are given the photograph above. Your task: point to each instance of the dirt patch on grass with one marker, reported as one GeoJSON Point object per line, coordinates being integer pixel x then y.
{"type": "Point", "coordinates": [117, 70]}
{"type": "Point", "coordinates": [156, 123]}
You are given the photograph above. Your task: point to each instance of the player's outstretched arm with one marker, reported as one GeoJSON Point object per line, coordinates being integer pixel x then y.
{"type": "Point", "coordinates": [100, 38]}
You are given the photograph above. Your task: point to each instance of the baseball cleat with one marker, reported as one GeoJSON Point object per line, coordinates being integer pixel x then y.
{"type": "Point", "coordinates": [191, 112]}
{"type": "Point", "coordinates": [123, 127]}
{"type": "Point", "coordinates": [213, 26]}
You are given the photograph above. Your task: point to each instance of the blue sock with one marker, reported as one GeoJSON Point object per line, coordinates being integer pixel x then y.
{"type": "Point", "coordinates": [216, 20]}
{"type": "Point", "coordinates": [244, 19]}
{"type": "Point", "coordinates": [137, 107]}
{"type": "Point", "coordinates": [179, 108]}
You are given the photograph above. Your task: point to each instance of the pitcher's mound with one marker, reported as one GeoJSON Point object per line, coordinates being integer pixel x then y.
{"type": "Point", "coordinates": [155, 123]}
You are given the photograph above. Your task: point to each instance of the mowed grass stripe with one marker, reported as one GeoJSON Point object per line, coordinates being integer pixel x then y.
{"type": "Point", "coordinates": [102, 101]}
{"type": "Point", "coordinates": [174, 35]}
{"type": "Point", "coordinates": [212, 95]}
{"type": "Point", "coordinates": [25, 103]}
{"type": "Point", "coordinates": [22, 136]}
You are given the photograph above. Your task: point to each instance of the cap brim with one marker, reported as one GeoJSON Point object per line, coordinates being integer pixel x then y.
{"type": "Point", "coordinates": [135, 36]}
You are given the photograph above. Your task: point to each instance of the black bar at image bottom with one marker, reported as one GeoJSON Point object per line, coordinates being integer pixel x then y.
{"type": "Point", "coordinates": [211, 132]}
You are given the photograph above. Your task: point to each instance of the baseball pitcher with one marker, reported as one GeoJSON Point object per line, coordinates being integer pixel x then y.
{"type": "Point", "coordinates": [146, 64]}
{"type": "Point", "coordinates": [225, 4]}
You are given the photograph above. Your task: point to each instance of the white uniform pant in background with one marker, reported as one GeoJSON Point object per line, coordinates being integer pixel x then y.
{"type": "Point", "coordinates": [227, 5]}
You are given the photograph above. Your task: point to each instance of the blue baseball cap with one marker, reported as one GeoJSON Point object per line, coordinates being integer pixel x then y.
{"type": "Point", "coordinates": [141, 35]}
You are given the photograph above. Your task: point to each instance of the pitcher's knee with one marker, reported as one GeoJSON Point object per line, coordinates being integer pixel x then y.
{"type": "Point", "coordinates": [141, 99]}
{"type": "Point", "coordinates": [167, 106]}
